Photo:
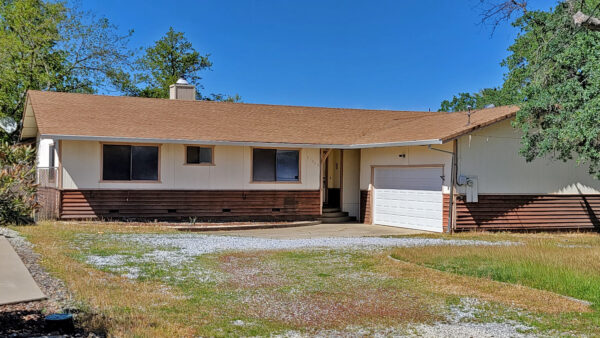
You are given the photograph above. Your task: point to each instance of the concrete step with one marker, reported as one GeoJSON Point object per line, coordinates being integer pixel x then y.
{"type": "Point", "coordinates": [334, 214]}
{"type": "Point", "coordinates": [344, 219]}
{"type": "Point", "coordinates": [331, 210]}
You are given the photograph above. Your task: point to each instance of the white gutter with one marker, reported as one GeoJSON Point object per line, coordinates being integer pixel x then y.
{"type": "Point", "coordinates": [240, 143]}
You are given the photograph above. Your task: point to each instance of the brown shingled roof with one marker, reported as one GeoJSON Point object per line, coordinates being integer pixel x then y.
{"type": "Point", "coordinates": [82, 115]}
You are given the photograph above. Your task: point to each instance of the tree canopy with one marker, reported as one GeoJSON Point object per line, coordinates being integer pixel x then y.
{"type": "Point", "coordinates": [55, 46]}
{"type": "Point", "coordinates": [487, 96]}
{"type": "Point", "coordinates": [162, 64]}
{"type": "Point", "coordinates": [49, 46]}
{"type": "Point", "coordinates": [554, 76]}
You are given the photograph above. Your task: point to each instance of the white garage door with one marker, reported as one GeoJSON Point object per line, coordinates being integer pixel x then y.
{"type": "Point", "coordinates": [409, 198]}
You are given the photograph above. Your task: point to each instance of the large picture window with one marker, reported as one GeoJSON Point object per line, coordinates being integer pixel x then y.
{"type": "Point", "coordinates": [275, 165]}
{"type": "Point", "coordinates": [129, 163]}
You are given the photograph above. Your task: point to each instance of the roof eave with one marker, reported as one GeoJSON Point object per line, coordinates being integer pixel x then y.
{"type": "Point", "coordinates": [26, 131]}
{"type": "Point", "coordinates": [471, 129]}
{"type": "Point", "coordinates": [241, 143]}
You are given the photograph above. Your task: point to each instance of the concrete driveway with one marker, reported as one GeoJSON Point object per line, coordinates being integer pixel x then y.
{"type": "Point", "coordinates": [321, 230]}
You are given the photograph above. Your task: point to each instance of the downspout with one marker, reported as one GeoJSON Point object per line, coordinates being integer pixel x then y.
{"type": "Point", "coordinates": [453, 171]}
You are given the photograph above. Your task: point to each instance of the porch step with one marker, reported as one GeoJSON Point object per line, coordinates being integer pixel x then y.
{"type": "Point", "coordinates": [334, 214]}
{"type": "Point", "coordinates": [343, 219]}
{"type": "Point", "coordinates": [327, 210]}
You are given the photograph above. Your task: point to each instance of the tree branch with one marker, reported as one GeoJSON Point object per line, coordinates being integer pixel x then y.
{"type": "Point", "coordinates": [587, 21]}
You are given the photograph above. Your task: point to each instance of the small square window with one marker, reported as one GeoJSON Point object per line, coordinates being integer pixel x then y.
{"type": "Point", "coordinates": [199, 155]}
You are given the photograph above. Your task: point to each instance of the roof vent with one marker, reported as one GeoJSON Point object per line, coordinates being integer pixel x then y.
{"type": "Point", "coordinates": [182, 90]}
{"type": "Point", "coordinates": [491, 105]}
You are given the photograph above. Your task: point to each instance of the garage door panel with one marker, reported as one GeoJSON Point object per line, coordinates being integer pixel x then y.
{"type": "Point", "coordinates": [412, 223]}
{"type": "Point", "coordinates": [409, 197]}
{"type": "Point", "coordinates": [424, 179]}
{"type": "Point", "coordinates": [413, 213]}
{"type": "Point", "coordinates": [409, 206]}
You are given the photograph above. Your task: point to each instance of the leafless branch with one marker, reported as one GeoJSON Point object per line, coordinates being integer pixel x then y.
{"type": "Point", "coordinates": [496, 12]}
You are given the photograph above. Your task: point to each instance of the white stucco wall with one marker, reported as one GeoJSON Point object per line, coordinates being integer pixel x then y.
{"type": "Point", "coordinates": [232, 170]}
{"type": "Point", "coordinates": [415, 155]}
{"type": "Point", "coordinates": [492, 155]}
{"type": "Point", "coordinates": [351, 177]}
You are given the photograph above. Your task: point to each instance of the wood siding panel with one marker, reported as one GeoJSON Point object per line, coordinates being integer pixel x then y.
{"type": "Point", "coordinates": [48, 200]}
{"type": "Point", "coordinates": [365, 207]}
{"type": "Point", "coordinates": [529, 212]}
{"type": "Point", "coordinates": [445, 213]}
{"type": "Point", "coordinates": [183, 204]}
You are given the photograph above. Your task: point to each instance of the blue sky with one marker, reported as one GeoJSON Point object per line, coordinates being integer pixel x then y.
{"type": "Point", "coordinates": [404, 55]}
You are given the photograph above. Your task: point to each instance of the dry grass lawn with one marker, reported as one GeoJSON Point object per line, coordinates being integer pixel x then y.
{"type": "Point", "coordinates": [540, 283]}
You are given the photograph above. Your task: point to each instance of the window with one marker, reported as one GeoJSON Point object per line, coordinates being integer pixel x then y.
{"type": "Point", "coordinates": [129, 163]}
{"type": "Point", "coordinates": [198, 155]}
{"type": "Point", "coordinates": [275, 165]}
{"type": "Point", "coordinates": [51, 164]}
{"type": "Point", "coordinates": [51, 156]}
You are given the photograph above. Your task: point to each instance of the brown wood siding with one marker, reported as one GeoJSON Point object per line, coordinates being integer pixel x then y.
{"type": "Point", "coordinates": [183, 204]}
{"type": "Point", "coordinates": [48, 203]}
{"type": "Point", "coordinates": [445, 214]}
{"type": "Point", "coordinates": [365, 207]}
{"type": "Point", "coordinates": [529, 212]}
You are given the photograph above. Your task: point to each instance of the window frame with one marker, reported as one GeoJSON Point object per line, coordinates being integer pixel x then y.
{"type": "Point", "coordinates": [51, 163]}
{"type": "Point", "coordinates": [206, 164]}
{"type": "Point", "coordinates": [157, 145]}
{"type": "Point", "coordinates": [252, 181]}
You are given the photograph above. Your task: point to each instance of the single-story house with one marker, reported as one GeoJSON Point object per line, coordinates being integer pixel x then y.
{"type": "Point", "coordinates": [109, 157]}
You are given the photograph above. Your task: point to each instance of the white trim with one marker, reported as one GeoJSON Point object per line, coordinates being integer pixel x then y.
{"type": "Point", "coordinates": [240, 143]}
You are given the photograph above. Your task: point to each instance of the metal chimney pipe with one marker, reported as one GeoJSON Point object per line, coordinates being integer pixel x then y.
{"type": "Point", "coordinates": [469, 115]}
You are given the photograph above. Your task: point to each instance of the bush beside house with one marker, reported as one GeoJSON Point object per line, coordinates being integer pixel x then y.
{"type": "Point", "coordinates": [17, 184]}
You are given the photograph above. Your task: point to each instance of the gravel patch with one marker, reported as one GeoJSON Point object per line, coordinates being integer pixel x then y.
{"type": "Point", "coordinates": [459, 323]}
{"type": "Point", "coordinates": [175, 251]}
{"type": "Point", "coordinates": [196, 245]}
{"type": "Point", "coordinates": [440, 330]}
{"type": "Point", "coordinates": [483, 330]}
{"type": "Point", "coordinates": [27, 319]}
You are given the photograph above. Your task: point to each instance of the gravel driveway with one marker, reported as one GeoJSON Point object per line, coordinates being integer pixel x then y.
{"type": "Point", "coordinates": [173, 249]}
{"type": "Point", "coordinates": [195, 244]}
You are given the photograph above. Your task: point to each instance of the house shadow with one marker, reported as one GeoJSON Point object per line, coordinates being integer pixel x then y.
{"type": "Point", "coordinates": [529, 213]}
{"type": "Point", "coordinates": [590, 211]}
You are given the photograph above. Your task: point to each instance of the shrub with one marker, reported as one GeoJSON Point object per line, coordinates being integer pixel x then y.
{"type": "Point", "coordinates": [17, 184]}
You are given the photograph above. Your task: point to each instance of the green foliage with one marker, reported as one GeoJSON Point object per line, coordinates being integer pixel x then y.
{"type": "Point", "coordinates": [162, 64]}
{"type": "Point", "coordinates": [554, 75]}
{"type": "Point", "coordinates": [556, 65]}
{"type": "Point", "coordinates": [17, 184]}
{"type": "Point", "coordinates": [46, 45]}
{"type": "Point", "coordinates": [495, 96]}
